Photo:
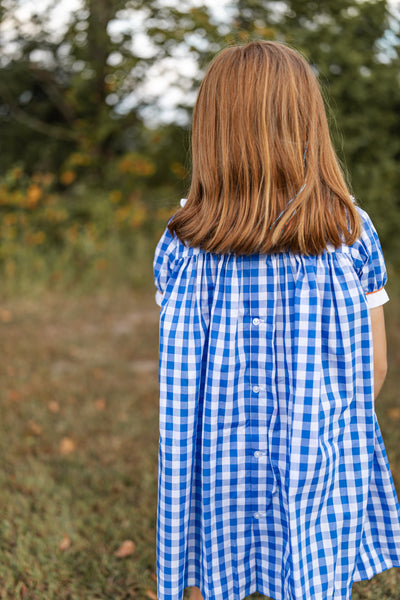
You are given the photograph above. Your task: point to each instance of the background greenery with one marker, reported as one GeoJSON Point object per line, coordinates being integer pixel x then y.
{"type": "Point", "coordinates": [91, 169]}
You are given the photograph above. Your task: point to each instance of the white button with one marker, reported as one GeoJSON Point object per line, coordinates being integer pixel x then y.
{"type": "Point", "coordinates": [256, 321]}
{"type": "Point", "coordinates": [257, 453]}
{"type": "Point", "coordinates": [256, 389]}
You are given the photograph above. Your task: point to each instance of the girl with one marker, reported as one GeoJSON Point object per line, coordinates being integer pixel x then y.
{"type": "Point", "coordinates": [273, 475]}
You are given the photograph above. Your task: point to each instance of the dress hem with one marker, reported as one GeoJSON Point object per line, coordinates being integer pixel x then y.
{"type": "Point", "coordinates": [252, 588]}
{"type": "Point", "coordinates": [381, 569]}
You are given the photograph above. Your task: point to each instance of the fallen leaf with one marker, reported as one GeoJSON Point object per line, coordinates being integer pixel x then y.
{"type": "Point", "coordinates": [23, 590]}
{"type": "Point", "coordinates": [153, 576]}
{"type": "Point", "coordinates": [151, 594]}
{"type": "Point", "coordinates": [54, 407]}
{"type": "Point", "coordinates": [394, 413]}
{"type": "Point", "coordinates": [126, 549]}
{"type": "Point", "coordinates": [5, 315]}
{"type": "Point", "coordinates": [65, 542]}
{"type": "Point", "coordinates": [34, 427]}
{"type": "Point", "coordinates": [100, 404]}
{"type": "Point", "coordinates": [13, 395]}
{"type": "Point", "coordinates": [67, 445]}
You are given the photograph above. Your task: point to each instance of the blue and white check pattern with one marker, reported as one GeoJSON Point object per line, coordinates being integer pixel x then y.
{"type": "Point", "coordinates": [273, 475]}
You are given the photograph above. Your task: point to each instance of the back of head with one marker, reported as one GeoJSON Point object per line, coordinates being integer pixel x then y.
{"type": "Point", "coordinates": [265, 175]}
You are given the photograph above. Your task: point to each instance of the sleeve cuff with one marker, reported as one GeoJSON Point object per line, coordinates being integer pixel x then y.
{"type": "Point", "coordinates": [158, 297]}
{"type": "Point", "coordinates": [377, 298]}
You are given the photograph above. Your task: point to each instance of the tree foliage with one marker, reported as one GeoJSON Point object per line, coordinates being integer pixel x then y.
{"type": "Point", "coordinates": [76, 100]}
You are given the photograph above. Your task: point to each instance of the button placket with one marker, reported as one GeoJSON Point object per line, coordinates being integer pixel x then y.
{"type": "Point", "coordinates": [256, 324]}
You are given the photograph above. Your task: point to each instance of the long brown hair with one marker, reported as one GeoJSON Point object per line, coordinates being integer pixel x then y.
{"type": "Point", "coordinates": [265, 176]}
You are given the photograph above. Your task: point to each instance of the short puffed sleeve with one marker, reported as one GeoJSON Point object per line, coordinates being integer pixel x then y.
{"type": "Point", "coordinates": [163, 263]}
{"type": "Point", "coordinates": [369, 262]}
{"type": "Point", "coordinates": [164, 259]}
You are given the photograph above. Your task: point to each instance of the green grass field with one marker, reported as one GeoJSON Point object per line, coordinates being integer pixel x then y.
{"type": "Point", "coordinates": [79, 441]}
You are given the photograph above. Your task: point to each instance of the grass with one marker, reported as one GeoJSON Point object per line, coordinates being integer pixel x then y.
{"type": "Point", "coordinates": [79, 437]}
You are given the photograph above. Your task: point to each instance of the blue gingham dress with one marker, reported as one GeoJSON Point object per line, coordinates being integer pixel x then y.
{"type": "Point", "coordinates": [272, 472]}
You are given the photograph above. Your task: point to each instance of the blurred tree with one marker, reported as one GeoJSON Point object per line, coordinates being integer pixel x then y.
{"type": "Point", "coordinates": [33, 110]}
{"type": "Point", "coordinates": [82, 89]}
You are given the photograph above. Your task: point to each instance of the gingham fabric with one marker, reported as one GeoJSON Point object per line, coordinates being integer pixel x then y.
{"type": "Point", "coordinates": [272, 472]}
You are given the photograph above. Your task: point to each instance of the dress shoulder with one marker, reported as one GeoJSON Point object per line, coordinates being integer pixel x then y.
{"type": "Point", "coordinates": [163, 262]}
{"type": "Point", "coordinates": [165, 257]}
{"type": "Point", "coordinates": [369, 262]}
